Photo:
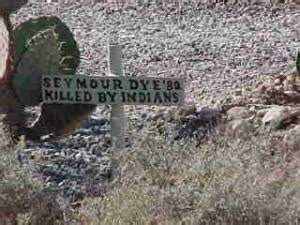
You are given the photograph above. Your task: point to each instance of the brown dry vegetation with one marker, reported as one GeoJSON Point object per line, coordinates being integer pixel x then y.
{"type": "Point", "coordinates": [224, 181]}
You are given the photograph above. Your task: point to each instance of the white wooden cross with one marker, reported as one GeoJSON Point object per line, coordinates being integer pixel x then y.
{"type": "Point", "coordinates": [116, 90]}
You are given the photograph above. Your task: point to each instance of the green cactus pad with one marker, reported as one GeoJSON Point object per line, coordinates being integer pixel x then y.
{"type": "Point", "coordinates": [44, 45]}
{"type": "Point", "coordinates": [9, 6]}
{"type": "Point", "coordinates": [298, 62]}
{"type": "Point", "coordinates": [5, 50]}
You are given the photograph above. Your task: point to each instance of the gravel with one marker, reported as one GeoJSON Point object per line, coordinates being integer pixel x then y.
{"type": "Point", "coordinates": [216, 50]}
{"type": "Point", "coordinates": [212, 49]}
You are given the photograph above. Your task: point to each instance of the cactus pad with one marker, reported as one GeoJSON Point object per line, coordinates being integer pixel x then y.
{"type": "Point", "coordinates": [44, 45]}
{"type": "Point", "coordinates": [5, 50]}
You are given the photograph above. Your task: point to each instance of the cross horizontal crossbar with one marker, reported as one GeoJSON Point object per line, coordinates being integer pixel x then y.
{"type": "Point", "coordinates": [121, 90]}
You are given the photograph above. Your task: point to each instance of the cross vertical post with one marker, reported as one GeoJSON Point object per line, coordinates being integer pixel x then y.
{"type": "Point", "coordinates": [117, 117]}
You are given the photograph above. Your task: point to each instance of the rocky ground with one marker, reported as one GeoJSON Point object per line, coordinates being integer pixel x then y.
{"type": "Point", "coordinates": [219, 51]}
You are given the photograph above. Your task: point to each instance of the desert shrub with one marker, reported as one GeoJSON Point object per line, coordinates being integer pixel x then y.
{"type": "Point", "coordinates": [22, 197]}
{"type": "Point", "coordinates": [15, 183]}
{"type": "Point", "coordinates": [225, 181]}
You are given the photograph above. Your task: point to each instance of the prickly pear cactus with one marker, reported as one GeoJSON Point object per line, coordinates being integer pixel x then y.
{"type": "Point", "coordinates": [42, 46]}
{"type": "Point", "coordinates": [46, 46]}
{"type": "Point", "coordinates": [11, 5]}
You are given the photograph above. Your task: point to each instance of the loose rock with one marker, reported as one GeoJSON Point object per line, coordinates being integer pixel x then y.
{"type": "Point", "coordinates": [237, 113]}
{"type": "Point", "coordinates": [292, 139]}
{"type": "Point", "coordinates": [239, 128]}
{"type": "Point", "coordinates": [275, 116]}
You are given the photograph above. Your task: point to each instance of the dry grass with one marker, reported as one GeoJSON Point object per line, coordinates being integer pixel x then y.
{"type": "Point", "coordinates": [225, 181]}
{"type": "Point", "coordinates": [22, 197]}
{"type": "Point", "coordinates": [15, 181]}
